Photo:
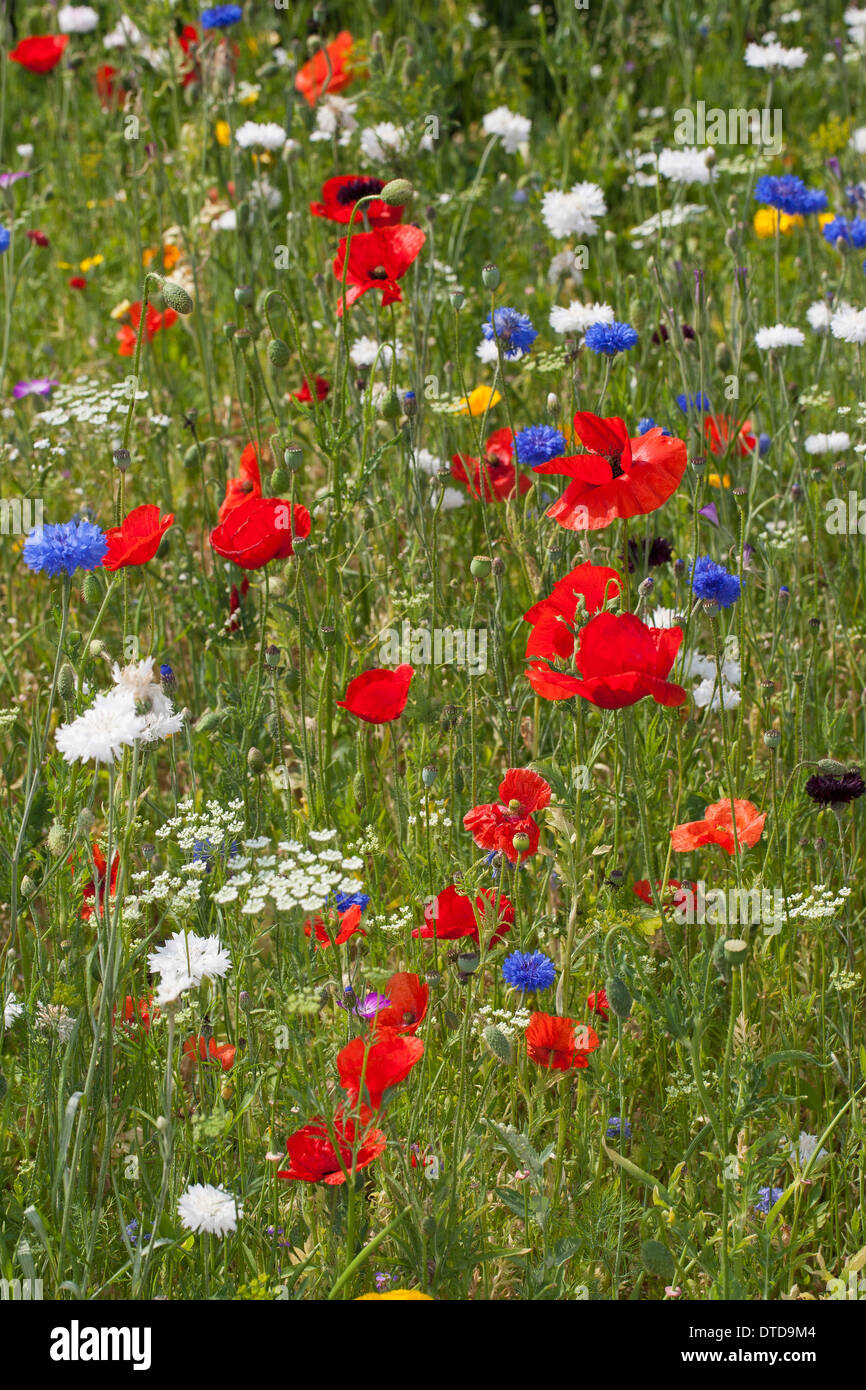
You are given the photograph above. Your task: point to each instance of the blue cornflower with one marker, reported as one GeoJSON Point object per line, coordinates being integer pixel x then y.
{"type": "Point", "coordinates": [697, 402]}
{"type": "Point", "coordinates": [167, 677]}
{"type": "Point", "coordinates": [5, 239]}
{"type": "Point", "coordinates": [539, 444]}
{"type": "Point", "coordinates": [767, 1197]}
{"type": "Point", "coordinates": [610, 338]}
{"type": "Point", "coordinates": [528, 971]}
{"type": "Point", "coordinates": [789, 194]}
{"type": "Point", "coordinates": [65, 547]}
{"type": "Point", "coordinates": [854, 232]}
{"type": "Point", "coordinates": [221, 17]}
{"type": "Point", "coordinates": [615, 1128]}
{"type": "Point", "coordinates": [346, 900]}
{"type": "Point", "coordinates": [647, 423]}
{"type": "Point", "coordinates": [764, 442]}
{"type": "Point", "coordinates": [712, 581]}
{"type": "Point", "coordinates": [513, 329]}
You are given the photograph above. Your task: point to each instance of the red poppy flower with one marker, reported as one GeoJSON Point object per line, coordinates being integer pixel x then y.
{"type": "Point", "coordinates": [621, 661]}
{"type": "Point", "coordinates": [340, 195]}
{"type": "Point", "coordinates": [105, 87]}
{"type": "Point", "coordinates": [720, 429]}
{"type": "Point", "coordinates": [94, 893]}
{"type": "Point", "coordinates": [313, 1158]}
{"type": "Point", "coordinates": [40, 53]}
{"type": "Point", "coordinates": [260, 530]}
{"type": "Point", "coordinates": [38, 238]}
{"type": "Point", "coordinates": [248, 485]}
{"type": "Point", "coordinates": [408, 1007]}
{"type": "Point", "coordinates": [559, 1043]}
{"type": "Point", "coordinates": [136, 540]}
{"type": "Point", "coordinates": [451, 915]}
{"type": "Point", "coordinates": [202, 1048]}
{"type": "Point", "coordinates": [233, 622]}
{"type": "Point", "coordinates": [642, 890]}
{"type": "Point", "coordinates": [597, 1003]}
{"type": "Point", "coordinates": [497, 476]}
{"type": "Point", "coordinates": [380, 695]}
{"type": "Point", "coordinates": [553, 617]}
{"type": "Point", "coordinates": [377, 260]}
{"type": "Point", "coordinates": [717, 827]}
{"type": "Point", "coordinates": [377, 1065]}
{"type": "Point", "coordinates": [305, 395]}
{"type": "Point", "coordinates": [619, 477]}
{"type": "Point", "coordinates": [326, 74]}
{"type": "Point", "coordinates": [77, 282]}
{"type": "Point", "coordinates": [136, 1010]}
{"type": "Point", "coordinates": [493, 827]}
{"type": "Point", "coordinates": [350, 923]}
{"type": "Point", "coordinates": [154, 321]}
{"type": "Point", "coordinates": [188, 41]}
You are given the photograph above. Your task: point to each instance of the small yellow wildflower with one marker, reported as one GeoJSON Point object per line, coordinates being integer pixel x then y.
{"type": "Point", "coordinates": [223, 134]}
{"type": "Point", "coordinates": [477, 402]}
{"type": "Point", "coordinates": [766, 219]}
{"type": "Point", "coordinates": [406, 1294]}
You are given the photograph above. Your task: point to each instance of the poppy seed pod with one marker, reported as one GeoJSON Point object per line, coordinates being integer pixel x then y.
{"type": "Point", "coordinates": [520, 842]}
{"type": "Point", "coordinates": [176, 297]}
{"type": "Point", "coordinates": [772, 738]}
{"type": "Point", "coordinates": [428, 775]}
{"type": "Point", "coordinates": [292, 457]}
{"type": "Point", "coordinates": [480, 566]}
{"type": "Point", "coordinates": [490, 276]}
{"type": "Point", "coordinates": [244, 295]}
{"type": "Point", "coordinates": [735, 950]}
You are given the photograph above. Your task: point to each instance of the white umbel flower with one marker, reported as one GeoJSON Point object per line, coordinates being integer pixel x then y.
{"type": "Point", "coordinates": [573, 213]}
{"type": "Point", "coordinates": [260, 135]}
{"type": "Point", "coordinates": [512, 129]}
{"type": "Point", "coordinates": [779, 336]}
{"type": "Point", "coordinates": [77, 19]}
{"type": "Point", "coordinates": [849, 324]}
{"type": "Point", "coordinates": [832, 443]}
{"type": "Point", "coordinates": [102, 732]}
{"type": "Point", "coordinates": [774, 57]}
{"type": "Point", "coordinates": [577, 318]}
{"type": "Point", "coordinates": [209, 1210]}
{"type": "Point", "coordinates": [686, 165]}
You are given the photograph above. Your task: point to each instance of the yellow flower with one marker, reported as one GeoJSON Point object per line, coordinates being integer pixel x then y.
{"type": "Point", "coordinates": [223, 134]}
{"type": "Point", "coordinates": [397, 1293]}
{"type": "Point", "coordinates": [766, 219]}
{"type": "Point", "coordinates": [90, 261]}
{"type": "Point", "coordinates": [823, 219]}
{"type": "Point", "coordinates": [477, 402]}
{"type": "Point", "coordinates": [121, 309]}
{"type": "Point", "coordinates": [715, 481]}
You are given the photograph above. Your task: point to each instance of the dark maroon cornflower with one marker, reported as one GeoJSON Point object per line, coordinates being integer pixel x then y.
{"type": "Point", "coordinates": [828, 789]}
{"type": "Point", "coordinates": [649, 554]}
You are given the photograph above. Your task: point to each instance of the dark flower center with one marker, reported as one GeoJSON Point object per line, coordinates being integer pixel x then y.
{"type": "Point", "coordinates": [380, 273]}
{"type": "Point", "coordinates": [358, 188]}
{"type": "Point", "coordinates": [616, 471]}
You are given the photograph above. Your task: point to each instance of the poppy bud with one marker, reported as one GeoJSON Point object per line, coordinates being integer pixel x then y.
{"type": "Point", "coordinates": [278, 353]}
{"type": "Point", "coordinates": [56, 838]}
{"type": "Point", "coordinates": [28, 887]}
{"type": "Point", "coordinates": [279, 482]}
{"type": "Point", "coordinates": [211, 719]}
{"type": "Point", "coordinates": [831, 766]}
{"type": "Point", "coordinates": [490, 276]}
{"type": "Point", "coordinates": [191, 458]}
{"type": "Point", "coordinates": [91, 590]}
{"type": "Point", "coordinates": [256, 761]}
{"type": "Point", "coordinates": [410, 72]}
{"type": "Point", "coordinates": [292, 679]}
{"type": "Point", "coordinates": [618, 996]}
{"type": "Point", "coordinates": [359, 790]}
{"type": "Point", "coordinates": [498, 1044]}
{"type": "Point", "coordinates": [397, 193]}
{"type": "Point", "coordinates": [176, 297]}
{"type": "Point", "coordinates": [390, 408]}
{"type": "Point", "coordinates": [657, 1260]}
{"type": "Point", "coordinates": [66, 682]}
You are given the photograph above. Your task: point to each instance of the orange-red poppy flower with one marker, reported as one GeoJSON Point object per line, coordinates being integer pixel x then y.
{"type": "Point", "coordinates": [313, 1158]}
{"type": "Point", "coordinates": [199, 1048]}
{"type": "Point", "coordinates": [559, 1043]}
{"type": "Point", "coordinates": [136, 1011]}
{"type": "Point", "coordinates": [154, 322]}
{"type": "Point", "coordinates": [94, 893]}
{"type": "Point", "coordinates": [377, 1064]}
{"type": "Point", "coordinates": [717, 827]}
{"type": "Point", "coordinates": [378, 696]}
{"type": "Point", "coordinates": [494, 826]}
{"type": "Point", "coordinates": [261, 529]}
{"type": "Point", "coordinates": [247, 485]}
{"type": "Point", "coordinates": [621, 661]}
{"type": "Point", "coordinates": [451, 915]}
{"type": "Point", "coordinates": [407, 1010]}
{"type": "Point", "coordinates": [329, 73]}
{"type": "Point", "coordinates": [349, 925]}
{"type": "Point", "coordinates": [720, 429]}
{"type": "Point", "coordinates": [136, 540]}
{"type": "Point", "coordinates": [40, 53]}
{"type": "Point", "coordinates": [553, 617]}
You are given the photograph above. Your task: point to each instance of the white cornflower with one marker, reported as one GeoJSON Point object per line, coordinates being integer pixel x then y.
{"type": "Point", "coordinates": [452, 498]}
{"type": "Point", "coordinates": [227, 221]}
{"type": "Point", "coordinates": [779, 336]}
{"type": "Point", "coordinates": [577, 318]}
{"type": "Point", "coordinates": [832, 443]}
{"type": "Point", "coordinates": [335, 116]}
{"type": "Point", "coordinates": [849, 324]}
{"type": "Point", "coordinates": [378, 142]}
{"type": "Point", "coordinates": [11, 1010]}
{"type": "Point", "coordinates": [573, 213]}
{"type": "Point", "coordinates": [55, 1018]}
{"type": "Point", "coordinates": [772, 56]}
{"type": "Point", "coordinates": [184, 961]}
{"type": "Point", "coordinates": [563, 263]}
{"type": "Point", "coordinates": [364, 351]}
{"type": "Point", "coordinates": [819, 315]}
{"type": "Point", "coordinates": [428, 463]}
{"type": "Point", "coordinates": [856, 21]}
{"type": "Point", "coordinates": [209, 1209]}
{"type": "Point", "coordinates": [260, 135]}
{"type": "Point", "coordinates": [487, 353]}
{"type": "Point", "coordinates": [77, 19]}
{"type": "Point", "coordinates": [806, 1148]}
{"type": "Point", "coordinates": [512, 129]}
{"type": "Point", "coordinates": [102, 732]}
{"type": "Point", "coordinates": [707, 693]}
{"type": "Point", "coordinates": [686, 165]}
{"type": "Point", "coordinates": [857, 143]}
{"type": "Point", "coordinates": [158, 721]}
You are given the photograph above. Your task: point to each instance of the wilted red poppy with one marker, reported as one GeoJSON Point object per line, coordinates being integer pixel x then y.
{"type": "Point", "coordinates": [559, 1043]}
{"type": "Point", "coordinates": [496, 478]}
{"type": "Point", "coordinates": [720, 429]}
{"type": "Point", "coordinates": [260, 530]}
{"type": "Point", "coordinates": [326, 74]}
{"type": "Point", "coordinates": [553, 617]}
{"type": "Point", "coordinates": [493, 827]}
{"type": "Point", "coordinates": [136, 540]}
{"type": "Point", "coordinates": [77, 282]}
{"type": "Point", "coordinates": [37, 237]}
{"type": "Point", "coordinates": [380, 695]}
{"type": "Point", "coordinates": [597, 1003]}
{"type": "Point", "coordinates": [136, 1011]}
{"type": "Point", "coordinates": [717, 827]}
{"type": "Point", "coordinates": [305, 395]}
{"type": "Point", "coordinates": [199, 1048]}
{"type": "Point", "coordinates": [94, 893]}
{"type": "Point", "coordinates": [451, 915]}
{"type": "Point", "coordinates": [245, 487]}
{"type": "Point", "coordinates": [40, 53]}
{"type": "Point", "coordinates": [377, 1064]}
{"type": "Point", "coordinates": [377, 260]}
{"type": "Point", "coordinates": [619, 477]}
{"type": "Point", "coordinates": [349, 924]}
{"type": "Point", "coordinates": [407, 1010]}
{"type": "Point", "coordinates": [621, 661]}
{"type": "Point", "coordinates": [340, 195]}
{"type": "Point", "coordinates": [154, 321]}
{"type": "Point", "coordinates": [313, 1158]}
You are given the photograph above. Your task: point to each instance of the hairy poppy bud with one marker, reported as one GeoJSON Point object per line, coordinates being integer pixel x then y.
{"type": "Point", "coordinates": [176, 297]}
{"type": "Point", "coordinates": [618, 996]}
{"type": "Point", "coordinates": [191, 458]}
{"type": "Point", "coordinates": [256, 761]}
{"type": "Point", "coordinates": [91, 590]}
{"type": "Point", "coordinates": [66, 682]}
{"type": "Point", "coordinates": [278, 353]}
{"type": "Point", "coordinates": [397, 193]}
{"type": "Point", "coordinates": [279, 481]}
